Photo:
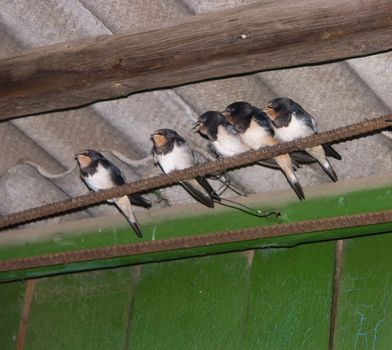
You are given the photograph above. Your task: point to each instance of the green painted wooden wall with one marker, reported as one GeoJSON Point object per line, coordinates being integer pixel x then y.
{"type": "Point", "coordinates": [275, 298]}
{"type": "Point", "coordinates": [283, 293]}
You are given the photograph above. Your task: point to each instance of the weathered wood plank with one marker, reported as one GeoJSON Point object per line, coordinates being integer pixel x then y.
{"type": "Point", "coordinates": [365, 301]}
{"type": "Point", "coordinates": [256, 37]}
{"type": "Point", "coordinates": [11, 300]}
{"type": "Point", "coordinates": [290, 295]}
{"type": "Point", "coordinates": [82, 311]}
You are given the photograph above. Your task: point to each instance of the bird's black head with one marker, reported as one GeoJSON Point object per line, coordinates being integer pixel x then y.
{"type": "Point", "coordinates": [238, 110]}
{"type": "Point", "coordinates": [208, 122]}
{"type": "Point", "coordinates": [279, 110]}
{"type": "Point", "coordinates": [86, 157]}
{"type": "Point", "coordinates": [240, 114]}
{"type": "Point", "coordinates": [162, 137]}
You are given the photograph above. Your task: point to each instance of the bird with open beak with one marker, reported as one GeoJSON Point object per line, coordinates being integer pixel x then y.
{"type": "Point", "coordinates": [255, 130]}
{"type": "Point", "coordinates": [290, 121]}
{"type": "Point", "coordinates": [171, 152]}
{"type": "Point", "coordinates": [98, 173]}
{"type": "Point", "coordinates": [224, 139]}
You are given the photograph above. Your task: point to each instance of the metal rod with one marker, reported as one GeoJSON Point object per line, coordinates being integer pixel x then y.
{"type": "Point", "coordinates": [165, 245]}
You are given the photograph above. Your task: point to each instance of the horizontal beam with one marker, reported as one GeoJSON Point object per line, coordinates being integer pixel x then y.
{"type": "Point", "coordinates": [247, 235]}
{"type": "Point", "coordinates": [262, 36]}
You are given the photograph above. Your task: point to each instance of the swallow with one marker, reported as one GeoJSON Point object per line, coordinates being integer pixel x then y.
{"type": "Point", "coordinates": [224, 138]}
{"type": "Point", "coordinates": [98, 173]}
{"type": "Point", "coordinates": [171, 152]}
{"type": "Point", "coordinates": [255, 130]}
{"type": "Point", "coordinates": [290, 121]}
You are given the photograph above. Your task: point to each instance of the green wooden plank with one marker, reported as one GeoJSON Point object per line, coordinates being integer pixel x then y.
{"type": "Point", "coordinates": [82, 311]}
{"type": "Point", "coordinates": [290, 298]}
{"type": "Point", "coordinates": [189, 223]}
{"type": "Point", "coordinates": [365, 301]}
{"type": "Point", "coordinates": [283, 241]}
{"type": "Point", "coordinates": [195, 303]}
{"type": "Point", "coordinates": [11, 303]}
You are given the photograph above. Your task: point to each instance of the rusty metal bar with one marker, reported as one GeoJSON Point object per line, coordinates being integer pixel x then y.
{"type": "Point", "coordinates": [213, 167]}
{"type": "Point", "coordinates": [164, 245]}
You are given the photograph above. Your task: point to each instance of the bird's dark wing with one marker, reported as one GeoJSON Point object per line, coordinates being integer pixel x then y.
{"type": "Point", "coordinates": [269, 163]}
{"type": "Point", "coordinates": [262, 119]}
{"type": "Point", "coordinates": [306, 118]}
{"type": "Point", "coordinates": [198, 192]}
{"type": "Point", "coordinates": [115, 172]}
{"type": "Point", "coordinates": [302, 157]}
{"type": "Point", "coordinates": [136, 227]}
{"type": "Point", "coordinates": [309, 121]}
{"type": "Point", "coordinates": [139, 200]}
{"type": "Point", "coordinates": [125, 207]}
{"type": "Point", "coordinates": [330, 152]}
{"type": "Point", "coordinates": [118, 179]}
{"type": "Point", "coordinates": [212, 150]}
{"type": "Point", "coordinates": [208, 188]}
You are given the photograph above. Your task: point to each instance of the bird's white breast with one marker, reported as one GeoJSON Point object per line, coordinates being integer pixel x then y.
{"type": "Point", "coordinates": [100, 180]}
{"type": "Point", "coordinates": [296, 129]}
{"type": "Point", "coordinates": [179, 158]}
{"type": "Point", "coordinates": [256, 136]}
{"type": "Point", "coordinates": [227, 144]}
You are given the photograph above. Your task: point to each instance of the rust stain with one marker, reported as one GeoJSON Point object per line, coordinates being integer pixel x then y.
{"type": "Point", "coordinates": [28, 300]}
{"type": "Point", "coordinates": [250, 255]}
{"type": "Point", "coordinates": [339, 252]}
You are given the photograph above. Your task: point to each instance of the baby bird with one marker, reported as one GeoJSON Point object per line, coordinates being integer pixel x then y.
{"type": "Point", "coordinates": [172, 153]}
{"type": "Point", "coordinates": [256, 131]}
{"type": "Point", "coordinates": [290, 121]}
{"type": "Point", "coordinates": [224, 138]}
{"type": "Point", "coordinates": [100, 174]}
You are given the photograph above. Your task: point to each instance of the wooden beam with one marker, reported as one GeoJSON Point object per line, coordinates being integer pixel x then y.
{"type": "Point", "coordinates": [262, 36]}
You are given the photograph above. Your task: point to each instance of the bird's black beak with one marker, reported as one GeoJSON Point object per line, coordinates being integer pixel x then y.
{"type": "Point", "coordinates": [270, 112]}
{"type": "Point", "coordinates": [196, 127]}
{"type": "Point", "coordinates": [155, 133]}
{"type": "Point", "coordinates": [226, 113]}
{"type": "Point", "coordinates": [80, 154]}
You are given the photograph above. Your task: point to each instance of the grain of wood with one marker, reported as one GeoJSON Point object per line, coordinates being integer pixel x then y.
{"type": "Point", "coordinates": [279, 34]}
